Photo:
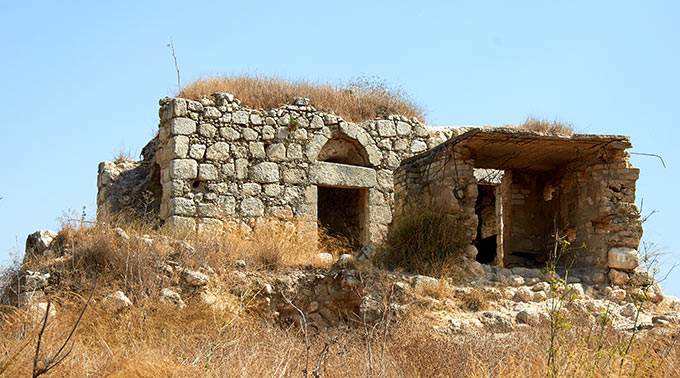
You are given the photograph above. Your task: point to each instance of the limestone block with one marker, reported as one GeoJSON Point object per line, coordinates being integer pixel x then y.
{"type": "Point", "coordinates": [207, 209]}
{"type": "Point", "coordinates": [380, 214]}
{"type": "Point", "coordinates": [39, 241]}
{"type": "Point", "coordinates": [294, 151]}
{"type": "Point", "coordinates": [241, 167]}
{"type": "Point", "coordinates": [116, 302]}
{"type": "Point", "coordinates": [227, 204]}
{"type": "Point", "coordinates": [177, 107]}
{"type": "Point", "coordinates": [276, 152]}
{"type": "Point", "coordinates": [257, 150]}
{"type": "Point", "coordinates": [197, 151]}
{"type": "Point", "coordinates": [374, 154]}
{"type": "Point", "coordinates": [211, 112]}
{"type": "Point", "coordinates": [240, 117]}
{"type": "Point", "coordinates": [229, 134]}
{"type": "Point", "coordinates": [178, 147]}
{"type": "Point", "coordinates": [349, 129]}
{"type": "Point", "coordinates": [272, 190]}
{"type": "Point", "coordinates": [207, 172]}
{"type": "Point", "coordinates": [386, 128]}
{"type": "Point", "coordinates": [210, 225]}
{"type": "Point", "coordinates": [618, 277]}
{"type": "Point", "coordinates": [252, 207]}
{"type": "Point", "coordinates": [418, 146]}
{"type": "Point", "coordinates": [332, 174]}
{"type": "Point", "coordinates": [228, 170]}
{"type": "Point", "coordinates": [294, 176]}
{"type": "Point", "coordinates": [182, 206]}
{"type": "Point", "coordinates": [255, 119]}
{"type": "Point", "coordinates": [268, 133]}
{"type": "Point", "coordinates": [300, 134]}
{"type": "Point", "coordinates": [623, 258]}
{"type": "Point", "coordinates": [282, 212]}
{"type": "Point", "coordinates": [183, 169]}
{"type": "Point", "coordinates": [173, 188]}
{"type": "Point", "coordinates": [251, 189]}
{"type": "Point", "coordinates": [249, 134]}
{"type": "Point", "coordinates": [195, 106]}
{"type": "Point", "coordinates": [181, 223]}
{"type": "Point", "coordinates": [316, 123]}
{"type": "Point", "coordinates": [400, 145]}
{"type": "Point", "coordinates": [218, 151]}
{"type": "Point", "coordinates": [266, 172]}
{"type": "Point", "coordinates": [182, 126]}
{"type": "Point", "coordinates": [403, 128]}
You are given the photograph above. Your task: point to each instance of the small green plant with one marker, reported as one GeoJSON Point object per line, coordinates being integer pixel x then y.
{"type": "Point", "coordinates": [293, 124]}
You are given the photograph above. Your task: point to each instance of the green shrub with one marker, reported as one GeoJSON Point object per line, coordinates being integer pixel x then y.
{"type": "Point", "coordinates": [425, 242]}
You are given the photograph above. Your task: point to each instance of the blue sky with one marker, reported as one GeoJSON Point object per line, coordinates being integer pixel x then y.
{"type": "Point", "coordinates": [81, 81]}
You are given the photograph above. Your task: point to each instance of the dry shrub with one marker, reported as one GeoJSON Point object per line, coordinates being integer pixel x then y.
{"type": "Point", "coordinates": [440, 291]}
{"type": "Point", "coordinates": [426, 242]}
{"type": "Point", "coordinates": [548, 127]}
{"type": "Point", "coordinates": [358, 100]}
{"type": "Point", "coordinates": [474, 300]}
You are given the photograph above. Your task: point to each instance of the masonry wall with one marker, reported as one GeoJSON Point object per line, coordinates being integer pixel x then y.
{"type": "Point", "coordinates": [590, 201]}
{"type": "Point", "coordinates": [223, 162]}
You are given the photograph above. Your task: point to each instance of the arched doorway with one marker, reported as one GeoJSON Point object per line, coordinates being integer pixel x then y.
{"type": "Point", "coordinates": [342, 206]}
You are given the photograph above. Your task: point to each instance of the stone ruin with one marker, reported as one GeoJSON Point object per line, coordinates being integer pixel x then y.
{"type": "Point", "coordinates": [216, 163]}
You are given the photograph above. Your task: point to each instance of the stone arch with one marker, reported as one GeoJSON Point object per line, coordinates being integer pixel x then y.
{"type": "Point", "coordinates": [343, 150]}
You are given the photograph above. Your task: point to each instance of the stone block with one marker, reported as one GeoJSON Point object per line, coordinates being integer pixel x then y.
{"type": "Point", "coordinates": [276, 152]}
{"type": "Point", "coordinates": [208, 209]}
{"type": "Point", "coordinates": [211, 113]}
{"type": "Point", "coordinates": [294, 176]}
{"type": "Point", "coordinates": [241, 167]}
{"type": "Point", "coordinates": [178, 147]}
{"type": "Point", "coordinates": [332, 174]}
{"type": "Point", "coordinates": [386, 128]}
{"type": "Point", "coordinates": [218, 151]}
{"type": "Point", "coordinates": [197, 151]}
{"type": "Point", "coordinates": [252, 207]}
{"type": "Point", "coordinates": [266, 172]}
{"type": "Point", "coordinates": [177, 107]}
{"type": "Point", "coordinates": [251, 189]}
{"type": "Point", "coordinates": [182, 126]}
{"type": "Point", "coordinates": [183, 169]}
{"type": "Point", "coordinates": [623, 258]}
{"type": "Point", "coordinates": [207, 172]}
{"type": "Point", "coordinates": [257, 150]}
{"type": "Point", "coordinates": [403, 128]}
{"type": "Point", "coordinates": [249, 134]}
{"type": "Point", "coordinates": [240, 117]}
{"type": "Point", "coordinates": [418, 146]}
{"type": "Point", "coordinates": [207, 130]}
{"type": "Point", "coordinates": [182, 206]}
{"type": "Point", "coordinates": [229, 134]}
{"type": "Point", "coordinates": [227, 204]}
{"type": "Point", "coordinates": [268, 133]}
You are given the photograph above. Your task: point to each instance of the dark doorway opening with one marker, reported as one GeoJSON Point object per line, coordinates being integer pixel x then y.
{"type": "Point", "coordinates": [487, 226]}
{"type": "Point", "coordinates": [342, 213]}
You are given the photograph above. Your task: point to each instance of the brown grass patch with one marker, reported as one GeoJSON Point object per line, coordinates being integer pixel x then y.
{"type": "Point", "coordinates": [474, 300]}
{"type": "Point", "coordinates": [549, 127]}
{"type": "Point", "coordinates": [356, 101]}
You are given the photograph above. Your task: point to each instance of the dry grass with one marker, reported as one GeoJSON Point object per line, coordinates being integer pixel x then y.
{"type": "Point", "coordinates": [153, 340]}
{"type": "Point", "coordinates": [356, 101]}
{"type": "Point", "coordinates": [549, 127]}
{"type": "Point", "coordinates": [474, 300]}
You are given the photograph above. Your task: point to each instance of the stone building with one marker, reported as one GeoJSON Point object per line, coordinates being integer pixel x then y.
{"type": "Point", "coordinates": [215, 161]}
{"type": "Point", "coordinates": [516, 189]}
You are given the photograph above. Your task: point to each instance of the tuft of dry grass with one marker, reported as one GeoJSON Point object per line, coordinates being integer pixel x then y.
{"type": "Point", "coordinates": [474, 300]}
{"type": "Point", "coordinates": [358, 100]}
{"type": "Point", "coordinates": [549, 127]}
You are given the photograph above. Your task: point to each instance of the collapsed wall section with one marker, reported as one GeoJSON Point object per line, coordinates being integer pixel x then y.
{"type": "Point", "coordinates": [223, 162]}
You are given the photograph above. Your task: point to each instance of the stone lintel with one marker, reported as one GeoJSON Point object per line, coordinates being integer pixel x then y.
{"type": "Point", "coordinates": [342, 175]}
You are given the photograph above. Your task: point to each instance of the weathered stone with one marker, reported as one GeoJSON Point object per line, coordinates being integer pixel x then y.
{"type": "Point", "coordinates": [527, 317]}
{"type": "Point", "coordinates": [183, 169]}
{"type": "Point", "coordinates": [172, 297]}
{"type": "Point", "coordinates": [257, 150]}
{"type": "Point", "coordinates": [386, 128]}
{"type": "Point", "coordinates": [617, 277]}
{"type": "Point", "coordinates": [418, 146]}
{"type": "Point", "coordinates": [623, 258]}
{"type": "Point", "coordinates": [207, 130]}
{"type": "Point", "coordinates": [39, 241]}
{"type": "Point", "coordinates": [323, 258]}
{"type": "Point", "coordinates": [421, 282]}
{"type": "Point", "coordinates": [240, 117]}
{"type": "Point", "coordinates": [195, 278]}
{"type": "Point", "coordinates": [207, 172]}
{"type": "Point", "coordinates": [266, 172]}
{"type": "Point", "coordinates": [322, 173]}
{"type": "Point", "coordinates": [182, 206]}
{"type": "Point", "coordinates": [197, 151]}
{"type": "Point", "coordinates": [178, 147]}
{"type": "Point", "coordinates": [252, 207]}
{"type": "Point", "coordinates": [182, 126]}
{"type": "Point", "coordinates": [403, 128]}
{"type": "Point", "coordinates": [211, 112]}
{"type": "Point", "coordinates": [218, 151]}
{"type": "Point", "coordinates": [116, 302]}
{"type": "Point", "coordinates": [276, 152]}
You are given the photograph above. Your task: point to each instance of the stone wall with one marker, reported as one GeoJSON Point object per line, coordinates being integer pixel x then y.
{"type": "Point", "coordinates": [222, 161]}
{"type": "Point", "coordinates": [587, 196]}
